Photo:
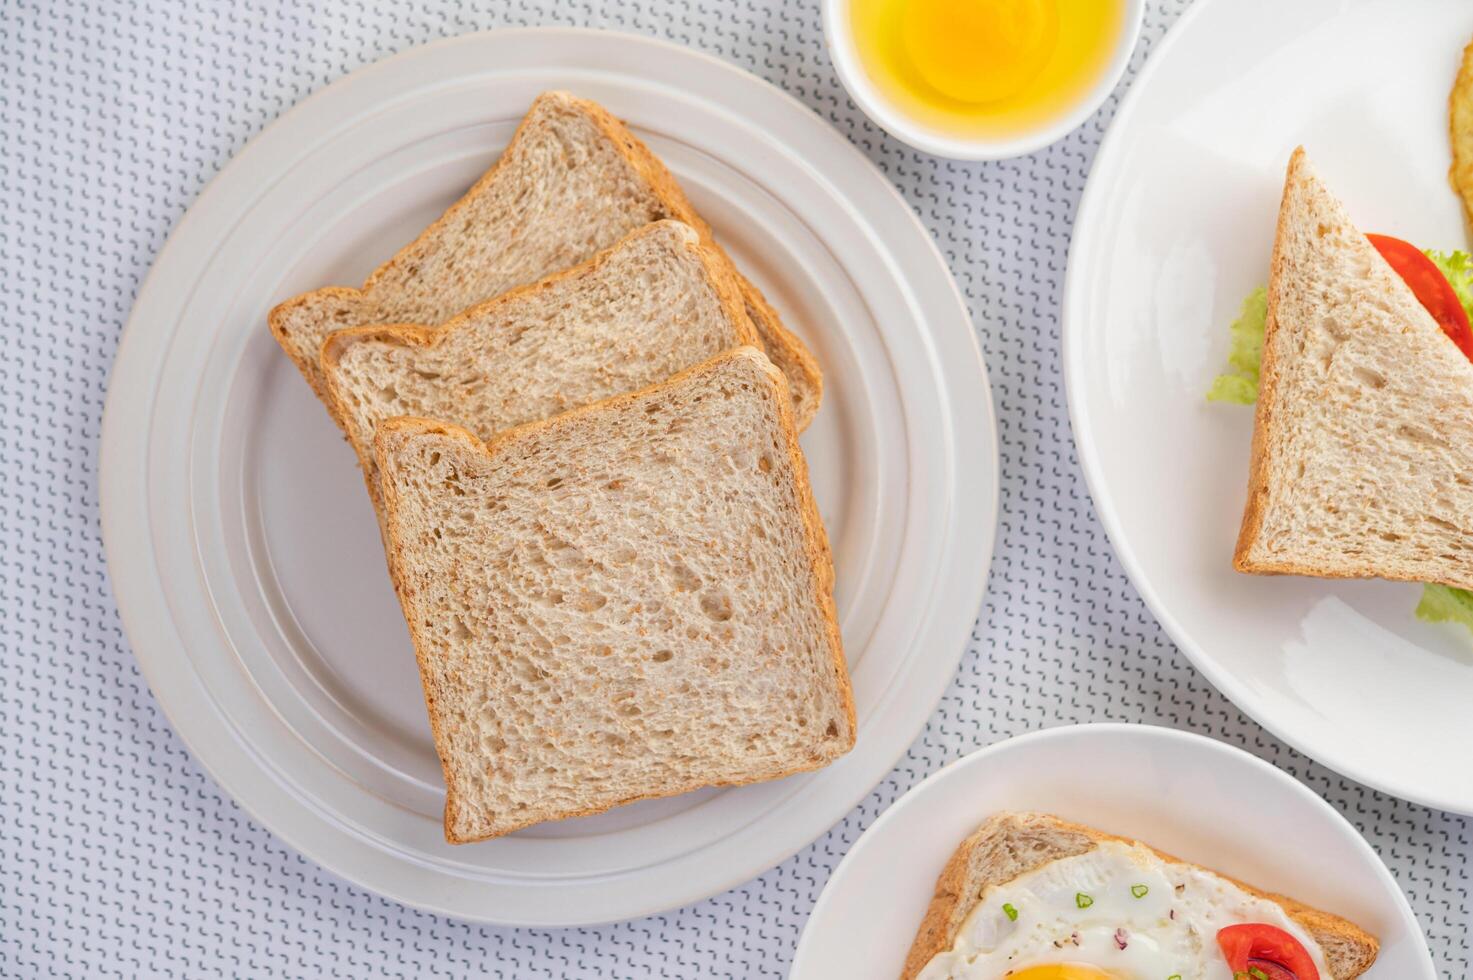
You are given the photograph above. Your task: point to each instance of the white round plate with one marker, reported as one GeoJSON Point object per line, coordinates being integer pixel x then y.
{"type": "Point", "coordinates": [243, 551]}
{"type": "Point", "coordinates": [1168, 788]}
{"type": "Point", "coordinates": [1175, 229]}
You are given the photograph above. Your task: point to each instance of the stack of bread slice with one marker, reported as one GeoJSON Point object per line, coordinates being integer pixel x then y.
{"type": "Point", "coordinates": [578, 424]}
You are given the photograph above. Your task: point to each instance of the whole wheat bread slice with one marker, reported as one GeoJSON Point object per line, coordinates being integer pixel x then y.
{"type": "Point", "coordinates": [1011, 844]}
{"type": "Point", "coordinates": [573, 181]}
{"type": "Point", "coordinates": [639, 312]}
{"type": "Point", "coordinates": [1363, 435]}
{"type": "Point", "coordinates": [628, 600]}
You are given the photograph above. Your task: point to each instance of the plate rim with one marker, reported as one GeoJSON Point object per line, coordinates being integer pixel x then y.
{"type": "Point", "coordinates": [979, 756]}
{"type": "Point", "coordinates": [144, 607]}
{"type": "Point", "coordinates": [1085, 224]}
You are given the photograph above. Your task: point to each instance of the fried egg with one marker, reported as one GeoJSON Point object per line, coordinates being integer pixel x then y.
{"type": "Point", "coordinates": [1115, 912]}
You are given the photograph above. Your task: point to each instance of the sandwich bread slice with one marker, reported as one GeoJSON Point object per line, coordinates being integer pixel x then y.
{"type": "Point", "coordinates": [573, 181]}
{"type": "Point", "coordinates": [1362, 459]}
{"type": "Point", "coordinates": [628, 600]}
{"type": "Point", "coordinates": [651, 306]}
{"type": "Point", "coordinates": [1028, 890]}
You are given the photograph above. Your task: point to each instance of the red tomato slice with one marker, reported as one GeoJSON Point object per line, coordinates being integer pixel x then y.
{"type": "Point", "coordinates": [1265, 948]}
{"type": "Point", "coordinates": [1430, 287]}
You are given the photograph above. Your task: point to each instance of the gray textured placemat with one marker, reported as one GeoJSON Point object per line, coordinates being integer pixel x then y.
{"type": "Point", "coordinates": [118, 856]}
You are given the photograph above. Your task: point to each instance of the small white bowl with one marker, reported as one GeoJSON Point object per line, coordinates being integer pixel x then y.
{"type": "Point", "coordinates": [840, 38]}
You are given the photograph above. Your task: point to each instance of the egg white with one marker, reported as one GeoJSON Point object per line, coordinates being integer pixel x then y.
{"type": "Point", "coordinates": [1117, 907]}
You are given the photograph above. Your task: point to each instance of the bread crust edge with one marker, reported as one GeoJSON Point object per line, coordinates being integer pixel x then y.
{"type": "Point", "coordinates": [780, 344]}
{"type": "Point", "coordinates": [1262, 446]}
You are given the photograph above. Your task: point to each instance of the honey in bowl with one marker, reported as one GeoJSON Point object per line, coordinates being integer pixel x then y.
{"type": "Point", "coordinates": [985, 68]}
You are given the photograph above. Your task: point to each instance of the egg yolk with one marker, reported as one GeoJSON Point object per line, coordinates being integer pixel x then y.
{"type": "Point", "coordinates": [1063, 971]}
{"type": "Point", "coordinates": [979, 50]}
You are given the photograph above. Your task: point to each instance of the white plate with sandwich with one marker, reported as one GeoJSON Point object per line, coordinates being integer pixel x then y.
{"type": "Point", "coordinates": [1301, 605]}
{"type": "Point", "coordinates": [1101, 852]}
{"type": "Point", "coordinates": [664, 641]}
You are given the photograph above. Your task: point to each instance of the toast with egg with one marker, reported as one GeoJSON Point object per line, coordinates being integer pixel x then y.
{"type": "Point", "coordinates": [572, 181]}
{"type": "Point", "coordinates": [1010, 847]}
{"type": "Point", "coordinates": [639, 312]}
{"type": "Point", "coordinates": [1361, 451]}
{"type": "Point", "coordinates": [629, 600]}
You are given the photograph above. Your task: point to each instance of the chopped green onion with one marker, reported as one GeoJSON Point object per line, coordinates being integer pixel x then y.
{"type": "Point", "coordinates": [1139, 891]}
{"type": "Point", "coordinates": [1010, 912]}
{"type": "Point", "coordinates": [1174, 976]}
{"type": "Point", "coordinates": [1083, 901]}
{"type": "Point", "coordinates": [1256, 973]}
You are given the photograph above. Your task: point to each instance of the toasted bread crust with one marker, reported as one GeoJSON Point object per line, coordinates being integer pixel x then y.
{"type": "Point", "coordinates": [279, 320]}
{"type": "Point", "coordinates": [782, 347]}
{"type": "Point", "coordinates": [399, 430]}
{"type": "Point", "coordinates": [785, 348]}
{"type": "Point", "coordinates": [721, 274]}
{"type": "Point", "coordinates": [388, 434]}
{"type": "Point", "coordinates": [955, 897]}
{"type": "Point", "coordinates": [944, 914]}
{"type": "Point", "coordinates": [1258, 467]}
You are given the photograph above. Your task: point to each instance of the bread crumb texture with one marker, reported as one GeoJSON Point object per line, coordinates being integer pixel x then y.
{"type": "Point", "coordinates": [572, 181]}
{"type": "Point", "coordinates": [652, 305]}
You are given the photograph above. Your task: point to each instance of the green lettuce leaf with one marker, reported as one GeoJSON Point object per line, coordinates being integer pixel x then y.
{"type": "Point", "coordinates": [1239, 384]}
{"type": "Point", "coordinates": [1458, 267]}
{"type": "Point", "coordinates": [1443, 604]}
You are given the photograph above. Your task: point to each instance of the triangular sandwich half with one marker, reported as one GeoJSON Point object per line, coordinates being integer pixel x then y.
{"type": "Point", "coordinates": [1363, 438]}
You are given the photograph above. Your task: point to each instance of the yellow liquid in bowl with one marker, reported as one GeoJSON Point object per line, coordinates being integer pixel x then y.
{"type": "Point", "coordinates": [985, 68]}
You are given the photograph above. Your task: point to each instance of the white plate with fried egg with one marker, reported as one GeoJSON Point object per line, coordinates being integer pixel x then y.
{"type": "Point", "coordinates": [1198, 799]}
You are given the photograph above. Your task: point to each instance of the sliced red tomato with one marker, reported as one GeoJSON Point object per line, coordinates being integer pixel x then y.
{"type": "Point", "coordinates": [1430, 287]}
{"type": "Point", "coordinates": [1269, 950]}
{"type": "Point", "coordinates": [1265, 970]}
